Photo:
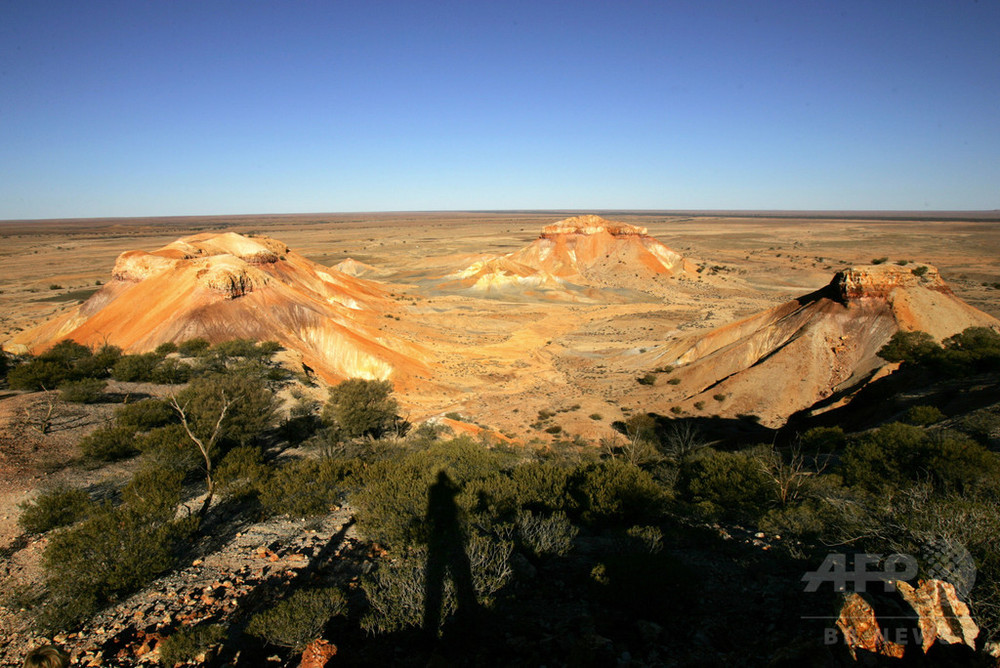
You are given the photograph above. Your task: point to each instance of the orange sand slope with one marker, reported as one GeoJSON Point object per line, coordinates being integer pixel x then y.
{"type": "Point", "coordinates": [789, 357]}
{"type": "Point", "coordinates": [224, 286]}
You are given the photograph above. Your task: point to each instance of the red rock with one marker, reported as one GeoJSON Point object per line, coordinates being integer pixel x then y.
{"type": "Point", "coordinates": [318, 654]}
{"type": "Point", "coordinates": [861, 630]}
{"type": "Point", "coordinates": [943, 616]}
{"type": "Point", "coordinates": [941, 619]}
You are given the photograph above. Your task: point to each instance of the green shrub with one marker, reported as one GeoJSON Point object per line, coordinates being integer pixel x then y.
{"type": "Point", "coordinates": [109, 443]}
{"type": "Point", "coordinates": [56, 507]}
{"type": "Point", "coordinates": [808, 520]}
{"type": "Point", "coordinates": [190, 642]}
{"type": "Point", "coordinates": [242, 473]}
{"type": "Point", "coordinates": [648, 379]}
{"type": "Point", "coordinates": [615, 492]}
{"type": "Point", "coordinates": [305, 487]}
{"type": "Point", "coordinates": [823, 439]}
{"type": "Point", "coordinates": [734, 483]}
{"type": "Point", "coordinates": [919, 271]}
{"type": "Point", "coordinates": [252, 407]}
{"type": "Point", "coordinates": [299, 619]}
{"type": "Point", "coordinates": [66, 353]}
{"type": "Point", "coordinates": [154, 491]}
{"type": "Point", "coordinates": [908, 347]}
{"type": "Point", "coordinates": [898, 455]}
{"type": "Point", "coordinates": [237, 348]}
{"type": "Point", "coordinates": [396, 591]}
{"type": "Point", "coordinates": [392, 499]}
{"type": "Point", "coordinates": [136, 368]}
{"type": "Point", "coordinates": [86, 391]}
{"type": "Point", "coordinates": [36, 375]}
{"type": "Point", "coordinates": [112, 553]}
{"type": "Point", "coordinates": [170, 445]}
{"type": "Point", "coordinates": [540, 487]}
{"type": "Point", "coordinates": [880, 260]}
{"type": "Point", "coordinates": [145, 414]}
{"type": "Point", "coordinates": [545, 535]}
{"type": "Point", "coordinates": [674, 381]}
{"type": "Point", "coordinates": [362, 408]}
{"type": "Point", "coordinates": [554, 429]}
{"type": "Point", "coordinates": [193, 347]}
{"type": "Point", "coordinates": [596, 416]}
{"type": "Point", "coordinates": [166, 348]}
{"type": "Point", "coordinates": [171, 372]}
{"type": "Point", "coordinates": [719, 397]}
{"type": "Point", "coordinates": [923, 415]}
{"type": "Point", "coordinates": [100, 364]}
{"type": "Point", "coordinates": [303, 417]}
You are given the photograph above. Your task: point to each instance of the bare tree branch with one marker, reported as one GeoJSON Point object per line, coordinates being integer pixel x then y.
{"type": "Point", "coordinates": [204, 447]}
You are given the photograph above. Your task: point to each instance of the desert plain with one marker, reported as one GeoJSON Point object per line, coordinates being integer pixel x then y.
{"type": "Point", "coordinates": [499, 357]}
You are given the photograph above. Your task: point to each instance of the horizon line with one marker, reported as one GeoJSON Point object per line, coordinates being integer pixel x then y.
{"type": "Point", "coordinates": [944, 215]}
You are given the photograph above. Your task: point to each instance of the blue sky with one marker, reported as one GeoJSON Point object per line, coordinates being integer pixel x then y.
{"type": "Point", "coordinates": [143, 108]}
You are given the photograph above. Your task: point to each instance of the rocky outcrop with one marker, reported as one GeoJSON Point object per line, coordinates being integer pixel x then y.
{"type": "Point", "coordinates": [319, 654]}
{"type": "Point", "coordinates": [232, 277]}
{"type": "Point", "coordinates": [880, 281]}
{"type": "Point", "coordinates": [135, 266]}
{"type": "Point", "coordinates": [943, 616]}
{"type": "Point", "coordinates": [928, 620]}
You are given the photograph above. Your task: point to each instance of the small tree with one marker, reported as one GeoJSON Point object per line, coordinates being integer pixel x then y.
{"type": "Point", "coordinates": [359, 407]}
{"type": "Point", "coordinates": [206, 446]}
{"type": "Point", "coordinates": [220, 410]}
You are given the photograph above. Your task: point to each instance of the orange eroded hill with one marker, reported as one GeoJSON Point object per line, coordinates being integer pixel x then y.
{"type": "Point", "coordinates": [789, 357]}
{"type": "Point", "coordinates": [585, 250]}
{"type": "Point", "coordinates": [225, 286]}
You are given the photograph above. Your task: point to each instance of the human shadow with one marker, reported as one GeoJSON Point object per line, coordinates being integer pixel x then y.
{"type": "Point", "coordinates": [446, 555]}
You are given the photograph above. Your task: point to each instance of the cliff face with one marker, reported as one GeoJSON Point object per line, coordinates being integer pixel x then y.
{"type": "Point", "coordinates": [788, 358]}
{"type": "Point", "coordinates": [222, 286]}
{"type": "Point", "coordinates": [881, 281]}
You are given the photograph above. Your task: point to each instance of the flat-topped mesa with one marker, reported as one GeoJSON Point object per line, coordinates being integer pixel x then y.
{"type": "Point", "coordinates": [222, 259]}
{"type": "Point", "coordinates": [591, 224]}
{"type": "Point", "coordinates": [879, 281]}
{"type": "Point", "coordinates": [255, 250]}
{"type": "Point", "coordinates": [590, 249]}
